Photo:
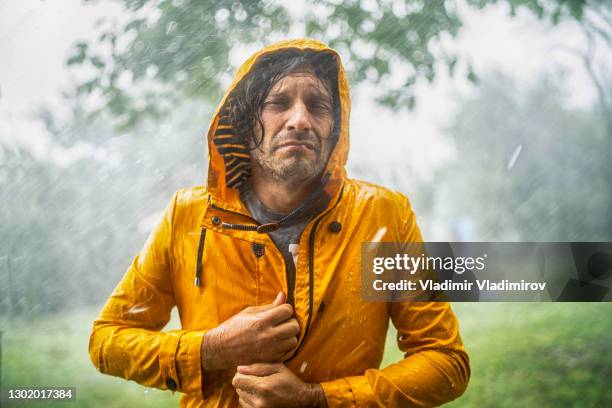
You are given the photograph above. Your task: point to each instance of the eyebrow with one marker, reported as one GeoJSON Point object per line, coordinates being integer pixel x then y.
{"type": "Point", "coordinates": [313, 90]}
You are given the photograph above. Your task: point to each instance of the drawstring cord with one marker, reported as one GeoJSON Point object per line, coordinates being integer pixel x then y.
{"type": "Point", "coordinates": [198, 278]}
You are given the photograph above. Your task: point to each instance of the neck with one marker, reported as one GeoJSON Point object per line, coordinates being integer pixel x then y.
{"type": "Point", "coordinates": [279, 196]}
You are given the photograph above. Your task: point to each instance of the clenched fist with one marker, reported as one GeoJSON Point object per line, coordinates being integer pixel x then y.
{"type": "Point", "coordinates": [256, 334]}
{"type": "Point", "coordinates": [273, 385]}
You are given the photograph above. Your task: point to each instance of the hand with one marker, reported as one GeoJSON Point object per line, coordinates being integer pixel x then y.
{"type": "Point", "coordinates": [274, 385]}
{"type": "Point", "coordinates": [256, 334]}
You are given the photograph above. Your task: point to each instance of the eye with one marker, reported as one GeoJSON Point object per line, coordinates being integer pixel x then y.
{"type": "Point", "coordinates": [319, 107]}
{"type": "Point", "coordinates": [276, 103]}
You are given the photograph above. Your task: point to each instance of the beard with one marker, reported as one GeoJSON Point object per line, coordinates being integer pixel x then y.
{"type": "Point", "coordinates": [293, 169]}
{"type": "Point", "coordinates": [299, 167]}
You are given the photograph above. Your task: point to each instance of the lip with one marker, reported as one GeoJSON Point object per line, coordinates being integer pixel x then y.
{"type": "Point", "coordinates": [296, 144]}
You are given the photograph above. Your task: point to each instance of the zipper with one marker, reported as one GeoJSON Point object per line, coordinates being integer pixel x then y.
{"type": "Point", "coordinates": [311, 244]}
{"type": "Point", "coordinates": [260, 228]}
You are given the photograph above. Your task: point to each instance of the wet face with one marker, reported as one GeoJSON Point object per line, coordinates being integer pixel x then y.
{"type": "Point", "coordinates": [298, 120]}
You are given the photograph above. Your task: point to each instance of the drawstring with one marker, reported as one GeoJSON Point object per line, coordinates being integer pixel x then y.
{"type": "Point", "coordinates": [198, 277]}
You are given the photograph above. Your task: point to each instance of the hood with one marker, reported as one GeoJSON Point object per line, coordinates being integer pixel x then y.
{"type": "Point", "coordinates": [228, 158]}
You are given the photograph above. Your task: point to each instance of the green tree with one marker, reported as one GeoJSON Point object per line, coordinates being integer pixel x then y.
{"type": "Point", "coordinates": [597, 26]}
{"type": "Point", "coordinates": [69, 231]}
{"type": "Point", "coordinates": [528, 167]}
{"type": "Point", "coordinates": [169, 50]}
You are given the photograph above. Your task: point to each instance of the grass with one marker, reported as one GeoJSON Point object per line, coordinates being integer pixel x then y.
{"type": "Point", "coordinates": [522, 354]}
{"type": "Point", "coordinates": [52, 351]}
{"type": "Point", "coordinates": [535, 354]}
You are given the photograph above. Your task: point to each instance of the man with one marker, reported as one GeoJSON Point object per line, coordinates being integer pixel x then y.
{"type": "Point", "coordinates": [263, 264]}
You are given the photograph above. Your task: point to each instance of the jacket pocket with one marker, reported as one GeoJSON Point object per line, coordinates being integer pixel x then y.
{"type": "Point", "coordinates": [226, 276]}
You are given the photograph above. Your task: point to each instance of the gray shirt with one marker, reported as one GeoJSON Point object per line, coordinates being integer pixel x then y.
{"type": "Point", "coordinates": [287, 236]}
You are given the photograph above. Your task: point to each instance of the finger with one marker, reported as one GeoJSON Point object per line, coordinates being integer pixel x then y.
{"type": "Point", "coordinates": [245, 383]}
{"type": "Point", "coordinates": [286, 345]}
{"type": "Point", "coordinates": [286, 329]}
{"type": "Point", "coordinates": [277, 314]}
{"type": "Point", "coordinates": [286, 356]}
{"type": "Point", "coordinates": [245, 399]}
{"type": "Point", "coordinates": [280, 299]}
{"type": "Point", "coordinates": [258, 370]}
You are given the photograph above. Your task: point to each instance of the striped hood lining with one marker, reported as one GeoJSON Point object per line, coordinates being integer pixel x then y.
{"type": "Point", "coordinates": [234, 153]}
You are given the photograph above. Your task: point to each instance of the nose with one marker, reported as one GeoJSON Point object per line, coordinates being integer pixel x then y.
{"type": "Point", "coordinates": [299, 118]}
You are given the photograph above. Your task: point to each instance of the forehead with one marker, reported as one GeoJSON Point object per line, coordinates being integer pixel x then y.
{"type": "Point", "coordinates": [301, 80]}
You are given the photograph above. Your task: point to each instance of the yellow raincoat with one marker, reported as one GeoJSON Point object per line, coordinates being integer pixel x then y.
{"type": "Point", "coordinates": [195, 261]}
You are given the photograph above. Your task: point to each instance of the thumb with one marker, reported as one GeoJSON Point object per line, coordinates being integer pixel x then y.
{"type": "Point", "coordinates": [260, 369]}
{"type": "Point", "coordinates": [280, 299]}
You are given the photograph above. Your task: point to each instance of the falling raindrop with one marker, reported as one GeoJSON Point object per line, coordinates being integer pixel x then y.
{"type": "Point", "coordinates": [515, 156]}
{"type": "Point", "coordinates": [170, 27]}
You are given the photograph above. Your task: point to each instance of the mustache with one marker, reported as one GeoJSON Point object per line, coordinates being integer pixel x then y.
{"type": "Point", "coordinates": [307, 138]}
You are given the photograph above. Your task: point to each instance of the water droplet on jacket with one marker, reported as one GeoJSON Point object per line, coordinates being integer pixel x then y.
{"type": "Point", "coordinates": [379, 234]}
{"type": "Point", "coordinates": [137, 308]}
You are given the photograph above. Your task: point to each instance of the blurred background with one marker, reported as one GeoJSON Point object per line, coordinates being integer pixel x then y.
{"type": "Point", "coordinates": [493, 116]}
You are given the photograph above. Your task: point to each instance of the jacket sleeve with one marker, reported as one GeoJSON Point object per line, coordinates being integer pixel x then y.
{"type": "Point", "coordinates": [435, 368]}
{"type": "Point", "coordinates": [126, 339]}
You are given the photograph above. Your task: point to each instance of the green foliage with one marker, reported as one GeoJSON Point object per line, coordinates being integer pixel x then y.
{"type": "Point", "coordinates": [24, 235]}
{"type": "Point", "coordinates": [528, 168]}
{"type": "Point", "coordinates": [555, 10]}
{"type": "Point", "coordinates": [69, 232]}
{"type": "Point", "coordinates": [172, 50]}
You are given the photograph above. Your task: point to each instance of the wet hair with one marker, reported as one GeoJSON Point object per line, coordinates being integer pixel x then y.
{"type": "Point", "coordinates": [246, 101]}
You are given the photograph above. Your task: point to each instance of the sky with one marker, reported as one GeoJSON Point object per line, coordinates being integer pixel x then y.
{"type": "Point", "coordinates": [36, 38]}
